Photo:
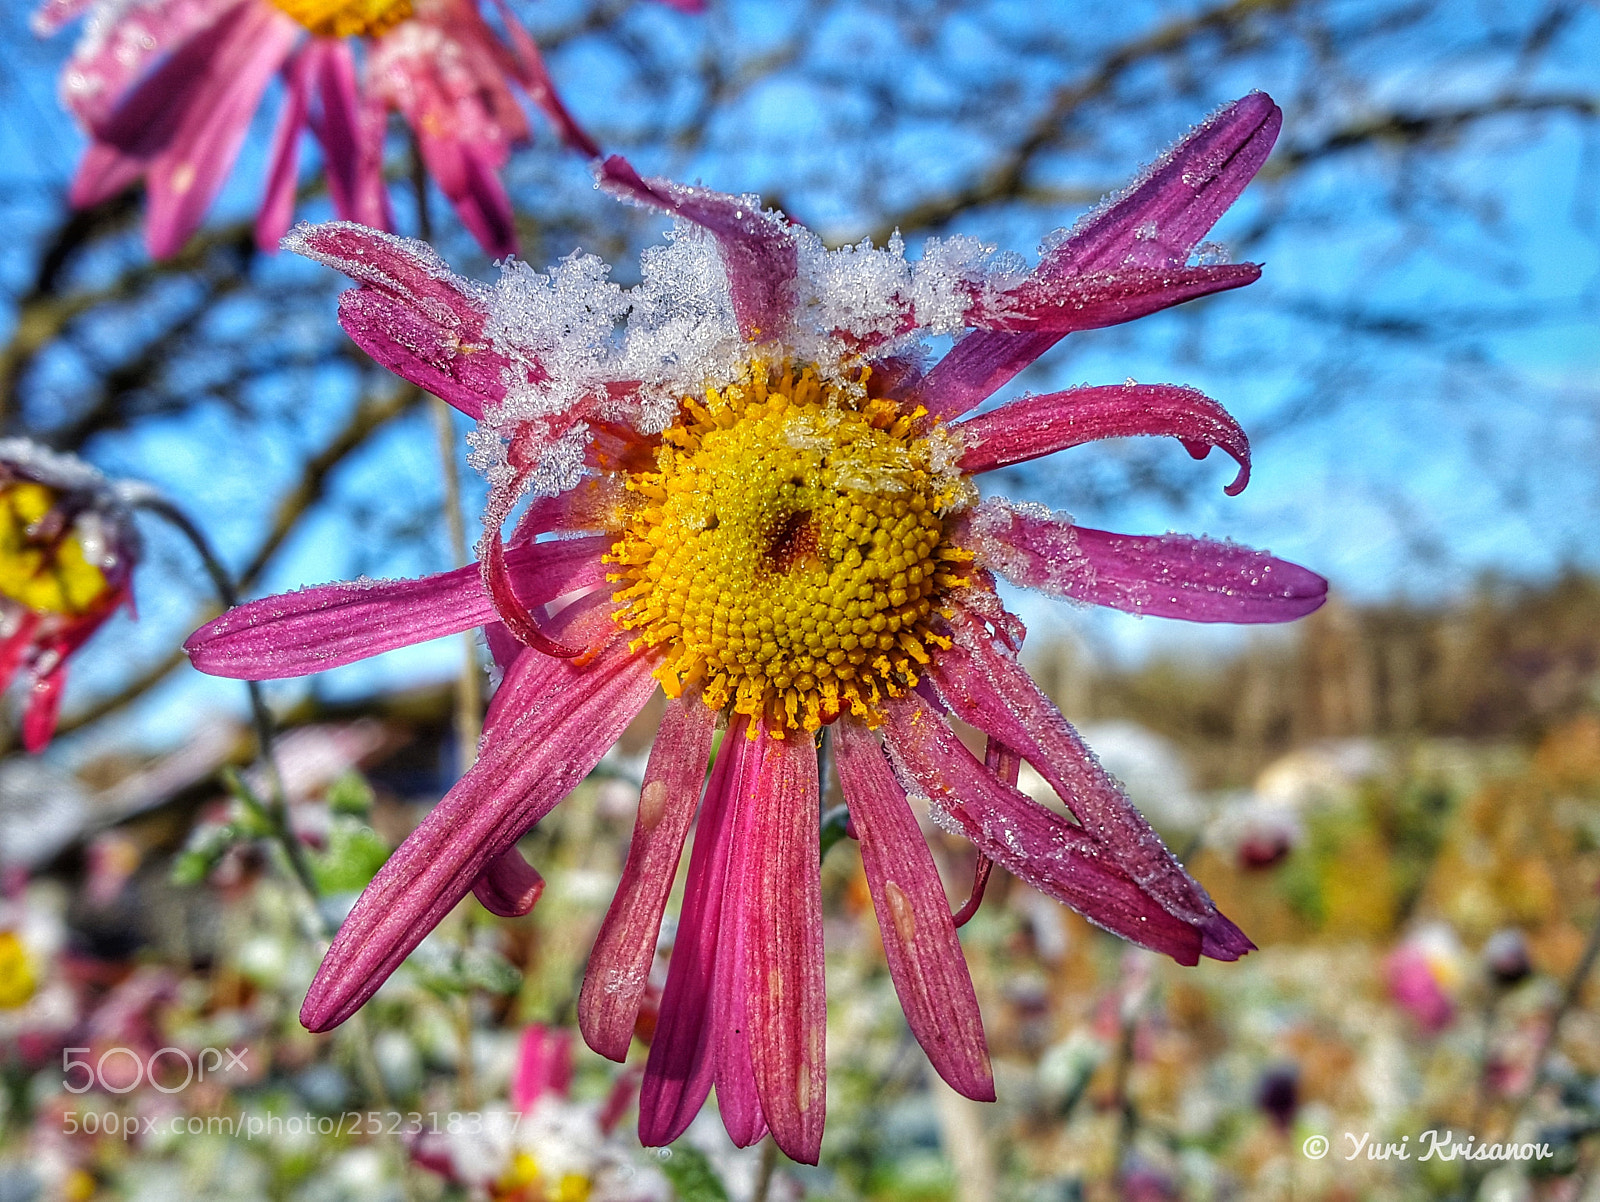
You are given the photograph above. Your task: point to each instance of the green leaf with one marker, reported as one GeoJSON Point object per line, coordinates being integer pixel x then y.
{"type": "Point", "coordinates": [691, 1175]}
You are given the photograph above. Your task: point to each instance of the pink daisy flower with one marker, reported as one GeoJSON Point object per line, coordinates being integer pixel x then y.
{"type": "Point", "coordinates": [764, 505]}
{"type": "Point", "coordinates": [166, 90]}
{"type": "Point", "coordinates": [68, 546]}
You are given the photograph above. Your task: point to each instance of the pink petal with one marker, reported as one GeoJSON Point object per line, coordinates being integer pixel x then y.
{"type": "Point", "coordinates": [535, 79]}
{"type": "Point", "coordinates": [1029, 841]}
{"type": "Point", "coordinates": [1089, 302]}
{"type": "Point", "coordinates": [508, 885]}
{"type": "Point", "coordinates": [544, 1066]}
{"type": "Point", "coordinates": [619, 964]}
{"type": "Point", "coordinates": [411, 313]}
{"type": "Point", "coordinates": [758, 247]}
{"type": "Point", "coordinates": [738, 1097]}
{"type": "Point", "coordinates": [471, 184]}
{"type": "Point", "coordinates": [338, 127]}
{"type": "Point", "coordinates": [919, 937]}
{"type": "Point", "coordinates": [50, 16]}
{"type": "Point", "coordinates": [106, 66]}
{"type": "Point", "coordinates": [320, 628]}
{"type": "Point", "coordinates": [147, 118]}
{"type": "Point", "coordinates": [782, 901]}
{"type": "Point", "coordinates": [563, 719]}
{"type": "Point", "coordinates": [104, 172]}
{"type": "Point", "coordinates": [277, 205]}
{"type": "Point", "coordinates": [678, 1074]}
{"type": "Point", "coordinates": [989, 689]}
{"type": "Point", "coordinates": [1156, 223]}
{"type": "Point", "coordinates": [1166, 576]}
{"type": "Point", "coordinates": [185, 177]}
{"type": "Point", "coordinates": [1039, 425]}
{"type": "Point", "coordinates": [44, 708]}
{"type": "Point", "coordinates": [1160, 219]}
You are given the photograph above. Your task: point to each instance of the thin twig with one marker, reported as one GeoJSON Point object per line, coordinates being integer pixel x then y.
{"type": "Point", "coordinates": [469, 684]}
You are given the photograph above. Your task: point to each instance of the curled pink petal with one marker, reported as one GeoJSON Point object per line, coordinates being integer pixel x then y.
{"type": "Point", "coordinates": [411, 314]}
{"type": "Point", "coordinates": [1029, 841]}
{"type": "Point", "coordinates": [919, 938]}
{"type": "Point", "coordinates": [787, 1002]}
{"type": "Point", "coordinates": [563, 719]}
{"type": "Point", "coordinates": [320, 628]}
{"type": "Point", "coordinates": [619, 964]}
{"type": "Point", "coordinates": [1166, 576]}
{"type": "Point", "coordinates": [679, 1071]}
{"type": "Point", "coordinates": [1155, 223]}
{"type": "Point", "coordinates": [758, 247]}
{"type": "Point", "coordinates": [511, 608]}
{"type": "Point", "coordinates": [508, 885]}
{"type": "Point", "coordinates": [1039, 425]}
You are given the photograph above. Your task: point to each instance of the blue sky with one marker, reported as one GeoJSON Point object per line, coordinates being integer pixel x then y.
{"type": "Point", "coordinates": [1410, 468]}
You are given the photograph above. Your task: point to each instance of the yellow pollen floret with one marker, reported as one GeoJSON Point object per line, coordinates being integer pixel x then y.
{"type": "Point", "coordinates": [788, 553]}
{"type": "Point", "coordinates": [47, 576]}
{"type": "Point", "coordinates": [347, 18]}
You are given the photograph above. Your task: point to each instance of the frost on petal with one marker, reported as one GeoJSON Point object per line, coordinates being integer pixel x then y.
{"type": "Point", "coordinates": [919, 935]}
{"type": "Point", "coordinates": [320, 628]}
{"type": "Point", "coordinates": [985, 686]}
{"type": "Point", "coordinates": [1166, 576]}
{"type": "Point", "coordinates": [1039, 425]}
{"type": "Point", "coordinates": [561, 720]}
{"type": "Point", "coordinates": [411, 313]}
{"type": "Point", "coordinates": [1089, 302]}
{"type": "Point", "coordinates": [1032, 843]}
{"type": "Point", "coordinates": [1152, 226]}
{"type": "Point", "coordinates": [758, 246]}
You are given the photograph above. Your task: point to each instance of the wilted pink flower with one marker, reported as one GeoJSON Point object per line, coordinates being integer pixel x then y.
{"type": "Point", "coordinates": [68, 546]}
{"type": "Point", "coordinates": [166, 90]}
{"type": "Point", "coordinates": [783, 534]}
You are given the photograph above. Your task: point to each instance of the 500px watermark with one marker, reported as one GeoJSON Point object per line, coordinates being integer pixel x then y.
{"type": "Point", "coordinates": [252, 1126]}
{"type": "Point", "coordinates": [129, 1070]}
{"type": "Point", "coordinates": [1432, 1145]}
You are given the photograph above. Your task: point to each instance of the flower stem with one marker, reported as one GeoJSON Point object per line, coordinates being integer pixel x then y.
{"type": "Point", "coordinates": [142, 497]}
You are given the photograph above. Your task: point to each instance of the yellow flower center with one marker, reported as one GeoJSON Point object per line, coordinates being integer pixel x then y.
{"type": "Point", "coordinates": [48, 575]}
{"type": "Point", "coordinates": [17, 981]}
{"type": "Point", "coordinates": [347, 18]}
{"type": "Point", "coordinates": [788, 549]}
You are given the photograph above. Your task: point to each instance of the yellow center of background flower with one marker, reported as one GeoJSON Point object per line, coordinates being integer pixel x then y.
{"type": "Point", "coordinates": [17, 981]}
{"type": "Point", "coordinates": [47, 575]}
{"type": "Point", "coordinates": [789, 549]}
{"type": "Point", "coordinates": [347, 18]}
